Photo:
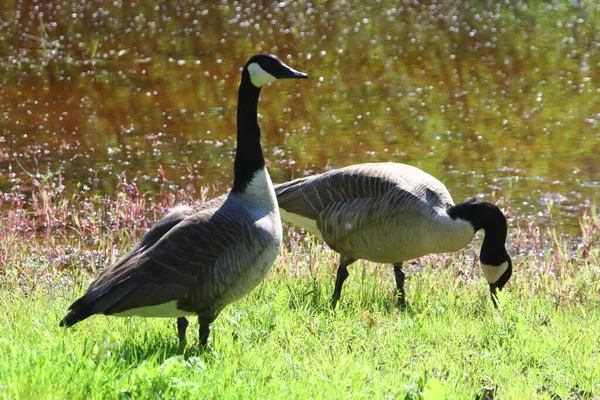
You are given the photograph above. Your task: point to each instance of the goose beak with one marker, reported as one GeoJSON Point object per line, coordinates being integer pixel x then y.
{"type": "Point", "coordinates": [494, 294]}
{"type": "Point", "coordinates": [291, 73]}
{"type": "Point", "coordinates": [499, 284]}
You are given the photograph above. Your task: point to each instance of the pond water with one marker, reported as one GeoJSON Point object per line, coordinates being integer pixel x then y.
{"type": "Point", "coordinates": [498, 99]}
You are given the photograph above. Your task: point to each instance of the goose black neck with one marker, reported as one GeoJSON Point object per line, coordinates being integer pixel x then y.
{"type": "Point", "coordinates": [248, 155]}
{"type": "Point", "coordinates": [486, 216]}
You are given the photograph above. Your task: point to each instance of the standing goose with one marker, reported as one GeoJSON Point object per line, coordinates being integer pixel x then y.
{"type": "Point", "coordinates": [196, 261]}
{"type": "Point", "coordinates": [390, 213]}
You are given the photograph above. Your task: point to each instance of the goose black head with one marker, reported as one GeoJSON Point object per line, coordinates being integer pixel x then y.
{"type": "Point", "coordinates": [495, 261]}
{"type": "Point", "coordinates": [265, 68]}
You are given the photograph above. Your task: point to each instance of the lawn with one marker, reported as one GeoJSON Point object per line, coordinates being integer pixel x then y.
{"type": "Point", "coordinates": [283, 340]}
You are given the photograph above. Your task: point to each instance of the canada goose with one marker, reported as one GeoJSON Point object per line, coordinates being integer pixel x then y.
{"type": "Point", "coordinates": [196, 261]}
{"type": "Point", "coordinates": [390, 213]}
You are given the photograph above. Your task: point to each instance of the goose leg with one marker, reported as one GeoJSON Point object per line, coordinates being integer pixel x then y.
{"type": "Point", "coordinates": [204, 329]}
{"type": "Point", "coordinates": [182, 324]}
{"type": "Point", "coordinates": [400, 295]}
{"type": "Point", "coordinates": [342, 274]}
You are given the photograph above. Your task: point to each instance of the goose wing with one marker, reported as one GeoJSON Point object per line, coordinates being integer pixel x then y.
{"type": "Point", "coordinates": [174, 217]}
{"type": "Point", "coordinates": [356, 198]}
{"type": "Point", "coordinates": [156, 232]}
{"type": "Point", "coordinates": [183, 265]}
{"type": "Point", "coordinates": [310, 196]}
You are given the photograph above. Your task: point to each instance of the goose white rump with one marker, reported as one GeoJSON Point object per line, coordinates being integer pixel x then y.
{"type": "Point", "coordinates": [165, 310]}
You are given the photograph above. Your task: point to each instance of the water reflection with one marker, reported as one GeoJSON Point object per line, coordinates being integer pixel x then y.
{"type": "Point", "coordinates": [494, 99]}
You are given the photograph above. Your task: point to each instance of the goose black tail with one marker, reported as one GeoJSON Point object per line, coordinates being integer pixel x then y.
{"type": "Point", "coordinates": [98, 301]}
{"type": "Point", "coordinates": [78, 312]}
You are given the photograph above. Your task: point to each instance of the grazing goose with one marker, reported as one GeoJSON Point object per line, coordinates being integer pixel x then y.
{"type": "Point", "coordinates": [196, 261]}
{"type": "Point", "coordinates": [390, 213]}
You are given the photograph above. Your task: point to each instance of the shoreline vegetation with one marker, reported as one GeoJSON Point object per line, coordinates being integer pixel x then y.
{"type": "Point", "coordinates": [283, 340]}
{"type": "Point", "coordinates": [485, 96]}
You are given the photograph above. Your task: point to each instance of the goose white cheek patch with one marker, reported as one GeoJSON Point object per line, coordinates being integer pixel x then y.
{"type": "Point", "coordinates": [494, 272]}
{"type": "Point", "coordinates": [259, 76]}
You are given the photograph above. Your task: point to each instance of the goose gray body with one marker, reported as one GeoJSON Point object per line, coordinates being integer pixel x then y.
{"type": "Point", "coordinates": [196, 261]}
{"type": "Point", "coordinates": [381, 212]}
{"type": "Point", "coordinates": [361, 211]}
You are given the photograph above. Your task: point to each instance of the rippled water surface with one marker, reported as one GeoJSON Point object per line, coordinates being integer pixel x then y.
{"type": "Point", "coordinates": [499, 99]}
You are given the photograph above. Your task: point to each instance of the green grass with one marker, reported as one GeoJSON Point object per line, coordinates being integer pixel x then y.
{"type": "Point", "coordinates": [283, 341]}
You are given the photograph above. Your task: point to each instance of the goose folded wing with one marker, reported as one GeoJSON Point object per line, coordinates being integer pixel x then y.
{"type": "Point", "coordinates": [169, 221]}
{"type": "Point", "coordinates": [173, 218]}
{"type": "Point", "coordinates": [310, 196]}
{"type": "Point", "coordinates": [181, 263]}
{"type": "Point", "coordinates": [153, 235]}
